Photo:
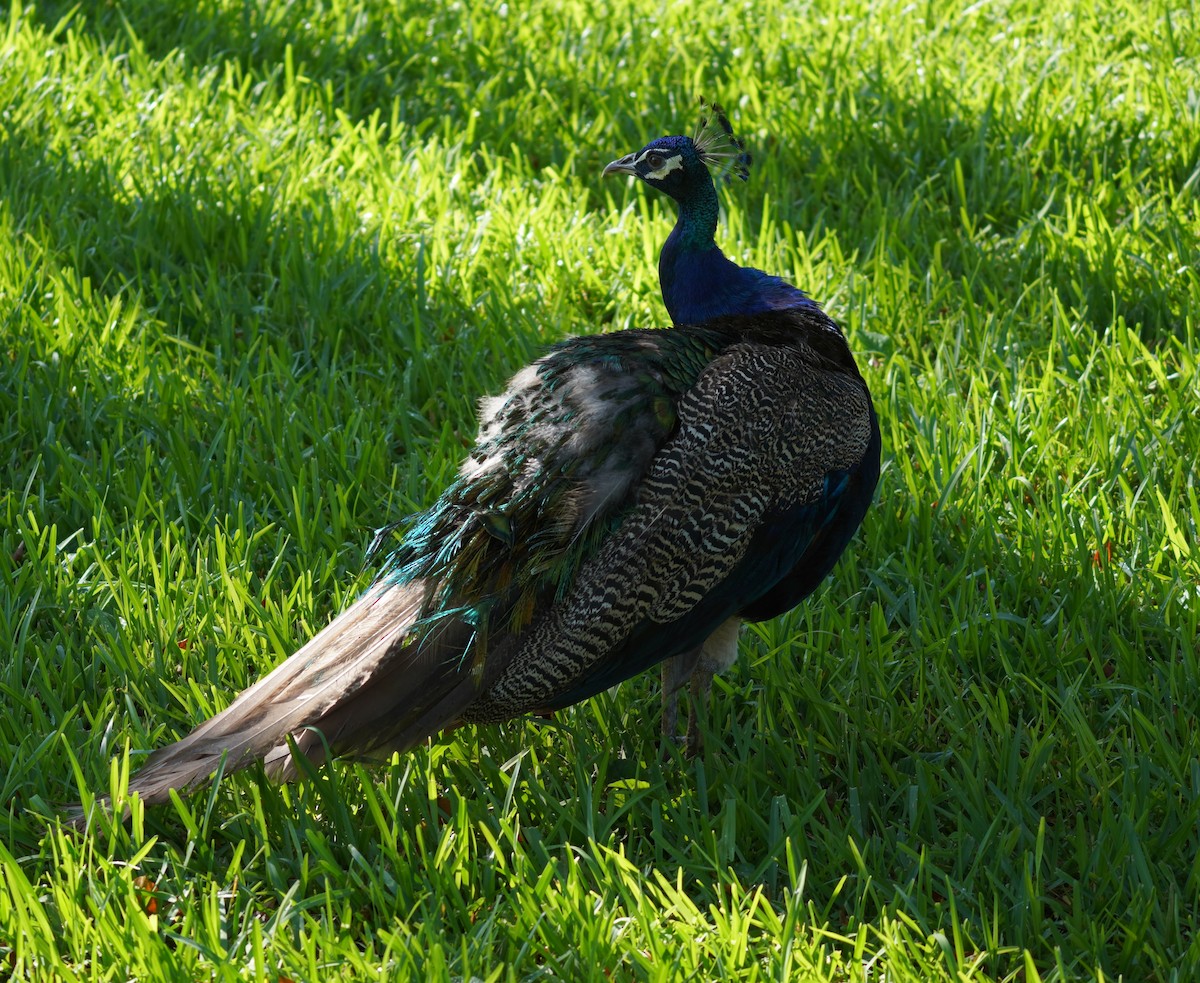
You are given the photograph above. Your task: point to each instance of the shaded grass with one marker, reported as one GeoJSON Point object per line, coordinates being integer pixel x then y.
{"type": "Point", "coordinates": [261, 261]}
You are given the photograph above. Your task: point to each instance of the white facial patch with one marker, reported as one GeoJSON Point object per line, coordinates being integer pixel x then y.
{"type": "Point", "coordinates": [673, 163]}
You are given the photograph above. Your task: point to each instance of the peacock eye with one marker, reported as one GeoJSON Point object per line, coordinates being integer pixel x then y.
{"type": "Point", "coordinates": [655, 161]}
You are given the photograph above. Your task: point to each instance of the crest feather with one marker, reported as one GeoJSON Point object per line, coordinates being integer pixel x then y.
{"type": "Point", "coordinates": [724, 153]}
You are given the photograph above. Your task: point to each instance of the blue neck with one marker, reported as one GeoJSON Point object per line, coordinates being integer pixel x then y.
{"type": "Point", "coordinates": [698, 282]}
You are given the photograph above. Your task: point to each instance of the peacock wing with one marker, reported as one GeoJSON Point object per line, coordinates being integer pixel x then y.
{"type": "Point", "coordinates": [726, 511]}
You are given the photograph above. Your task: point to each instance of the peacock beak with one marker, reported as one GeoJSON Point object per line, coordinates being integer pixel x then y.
{"type": "Point", "coordinates": [622, 166]}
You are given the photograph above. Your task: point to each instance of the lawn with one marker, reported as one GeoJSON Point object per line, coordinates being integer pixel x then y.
{"type": "Point", "coordinates": [257, 265]}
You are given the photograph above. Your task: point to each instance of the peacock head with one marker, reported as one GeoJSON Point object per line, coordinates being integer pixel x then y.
{"type": "Point", "coordinates": [680, 166]}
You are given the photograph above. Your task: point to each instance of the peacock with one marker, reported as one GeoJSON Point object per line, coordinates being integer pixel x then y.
{"type": "Point", "coordinates": [630, 500]}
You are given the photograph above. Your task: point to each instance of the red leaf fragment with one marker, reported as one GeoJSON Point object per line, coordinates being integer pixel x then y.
{"type": "Point", "coordinates": [147, 887]}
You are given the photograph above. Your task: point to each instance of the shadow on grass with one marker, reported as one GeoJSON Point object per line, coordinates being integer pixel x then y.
{"type": "Point", "coordinates": [429, 73]}
{"type": "Point", "coordinates": [999, 199]}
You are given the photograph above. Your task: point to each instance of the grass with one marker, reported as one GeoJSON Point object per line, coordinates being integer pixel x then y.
{"type": "Point", "coordinates": [260, 261]}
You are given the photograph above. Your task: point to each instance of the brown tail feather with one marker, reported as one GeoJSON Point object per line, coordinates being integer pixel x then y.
{"type": "Point", "coordinates": [356, 682]}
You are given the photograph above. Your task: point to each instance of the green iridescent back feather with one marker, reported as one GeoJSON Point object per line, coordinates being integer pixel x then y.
{"type": "Point", "coordinates": [557, 457]}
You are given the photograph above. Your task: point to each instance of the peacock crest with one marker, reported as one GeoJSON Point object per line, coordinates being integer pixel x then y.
{"type": "Point", "coordinates": [714, 141]}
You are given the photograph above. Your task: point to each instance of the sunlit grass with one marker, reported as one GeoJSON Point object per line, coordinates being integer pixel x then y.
{"type": "Point", "coordinates": [259, 262]}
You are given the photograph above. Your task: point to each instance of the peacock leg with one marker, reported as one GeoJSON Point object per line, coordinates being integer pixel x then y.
{"type": "Point", "coordinates": [675, 672]}
{"type": "Point", "coordinates": [700, 693]}
{"type": "Point", "coordinates": [717, 654]}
